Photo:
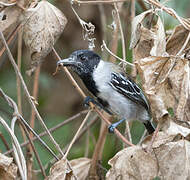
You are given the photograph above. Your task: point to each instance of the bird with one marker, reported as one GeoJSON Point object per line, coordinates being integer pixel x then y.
{"type": "Point", "coordinates": [112, 88]}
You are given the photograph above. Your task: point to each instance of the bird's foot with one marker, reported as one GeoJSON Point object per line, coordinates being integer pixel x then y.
{"type": "Point", "coordinates": [111, 128]}
{"type": "Point", "coordinates": [87, 101]}
{"type": "Point", "coordinates": [114, 125]}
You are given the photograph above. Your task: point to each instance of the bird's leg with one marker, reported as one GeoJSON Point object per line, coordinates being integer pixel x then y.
{"type": "Point", "coordinates": [114, 125]}
{"type": "Point", "coordinates": [88, 99]}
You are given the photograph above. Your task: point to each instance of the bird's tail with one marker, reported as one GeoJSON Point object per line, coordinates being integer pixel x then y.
{"type": "Point", "coordinates": [149, 126]}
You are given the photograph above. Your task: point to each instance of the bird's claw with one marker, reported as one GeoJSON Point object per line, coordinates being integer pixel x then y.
{"type": "Point", "coordinates": [87, 101]}
{"type": "Point", "coordinates": [111, 128]}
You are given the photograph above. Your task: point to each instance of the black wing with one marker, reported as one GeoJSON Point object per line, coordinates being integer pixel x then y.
{"type": "Point", "coordinates": [129, 89]}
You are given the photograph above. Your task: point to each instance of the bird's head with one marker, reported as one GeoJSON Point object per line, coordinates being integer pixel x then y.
{"type": "Point", "coordinates": [83, 62]}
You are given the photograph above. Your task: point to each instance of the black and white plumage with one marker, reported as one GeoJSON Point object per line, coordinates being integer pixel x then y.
{"type": "Point", "coordinates": [114, 90]}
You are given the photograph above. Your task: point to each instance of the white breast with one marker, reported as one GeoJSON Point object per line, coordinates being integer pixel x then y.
{"type": "Point", "coordinates": [119, 104]}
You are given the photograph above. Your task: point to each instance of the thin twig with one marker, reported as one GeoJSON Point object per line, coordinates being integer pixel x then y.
{"type": "Point", "coordinates": [98, 2]}
{"type": "Point", "coordinates": [184, 45]}
{"type": "Point", "coordinates": [153, 138]}
{"type": "Point", "coordinates": [51, 129]}
{"type": "Point", "coordinates": [19, 56]}
{"type": "Point", "coordinates": [124, 58]}
{"type": "Point", "coordinates": [141, 3]}
{"type": "Point", "coordinates": [114, 41]}
{"type": "Point", "coordinates": [27, 92]}
{"type": "Point", "coordinates": [16, 114]}
{"type": "Point", "coordinates": [82, 132]}
{"type": "Point", "coordinates": [134, 69]}
{"type": "Point", "coordinates": [86, 152]}
{"type": "Point", "coordinates": [37, 136]}
{"type": "Point", "coordinates": [126, 62]}
{"type": "Point", "coordinates": [171, 12]}
{"type": "Point", "coordinates": [142, 137]}
{"type": "Point", "coordinates": [35, 152]}
{"type": "Point", "coordinates": [32, 122]}
{"type": "Point", "coordinates": [17, 149]}
{"type": "Point", "coordinates": [77, 133]}
{"type": "Point", "coordinates": [133, 9]}
{"type": "Point", "coordinates": [10, 38]}
{"type": "Point", "coordinates": [35, 95]}
{"type": "Point", "coordinates": [103, 25]}
{"type": "Point", "coordinates": [18, 85]}
{"type": "Point", "coordinates": [7, 4]}
{"type": "Point", "coordinates": [18, 156]}
{"type": "Point", "coordinates": [97, 155]}
{"type": "Point", "coordinates": [103, 133]}
{"type": "Point", "coordinates": [4, 141]}
{"type": "Point", "coordinates": [117, 133]}
{"type": "Point", "coordinates": [121, 32]}
{"type": "Point", "coordinates": [88, 30]}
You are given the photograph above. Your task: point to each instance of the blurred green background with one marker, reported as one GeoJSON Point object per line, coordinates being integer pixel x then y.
{"type": "Point", "coordinates": [58, 100]}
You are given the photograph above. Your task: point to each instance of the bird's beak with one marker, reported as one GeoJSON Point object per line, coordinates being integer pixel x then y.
{"type": "Point", "coordinates": [67, 62]}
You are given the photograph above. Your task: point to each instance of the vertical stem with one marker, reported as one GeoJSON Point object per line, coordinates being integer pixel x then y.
{"type": "Point", "coordinates": [31, 148]}
{"type": "Point", "coordinates": [124, 58]}
{"type": "Point", "coordinates": [121, 31]}
{"type": "Point", "coordinates": [87, 143]}
{"type": "Point", "coordinates": [18, 83]}
{"type": "Point", "coordinates": [114, 44]}
{"type": "Point", "coordinates": [4, 141]}
{"type": "Point", "coordinates": [77, 133]}
{"type": "Point", "coordinates": [103, 26]}
{"type": "Point", "coordinates": [97, 155]}
{"type": "Point", "coordinates": [35, 95]}
{"type": "Point", "coordinates": [35, 152]}
{"type": "Point", "coordinates": [134, 70]}
{"type": "Point", "coordinates": [19, 55]}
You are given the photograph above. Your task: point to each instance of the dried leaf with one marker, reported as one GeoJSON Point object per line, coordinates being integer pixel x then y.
{"type": "Point", "coordinates": [81, 167]}
{"type": "Point", "coordinates": [9, 21]}
{"type": "Point", "coordinates": [8, 170]}
{"type": "Point", "coordinates": [149, 69]}
{"type": "Point", "coordinates": [132, 163]}
{"type": "Point", "coordinates": [166, 83]}
{"type": "Point", "coordinates": [159, 47]}
{"type": "Point", "coordinates": [43, 25]}
{"type": "Point", "coordinates": [146, 41]}
{"type": "Point", "coordinates": [169, 160]}
{"type": "Point", "coordinates": [173, 159]}
{"type": "Point", "coordinates": [173, 132]}
{"type": "Point", "coordinates": [136, 24]}
{"type": "Point", "coordinates": [176, 40]}
{"type": "Point", "coordinates": [60, 171]}
{"type": "Point", "coordinates": [175, 129]}
{"type": "Point", "coordinates": [160, 139]}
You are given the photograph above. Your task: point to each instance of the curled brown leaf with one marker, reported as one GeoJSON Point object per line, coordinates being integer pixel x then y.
{"type": "Point", "coordinates": [60, 171]}
{"type": "Point", "coordinates": [147, 41]}
{"type": "Point", "coordinates": [81, 167]}
{"type": "Point", "coordinates": [132, 163]}
{"type": "Point", "coordinates": [173, 159]}
{"type": "Point", "coordinates": [43, 25]}
{"type": "Point", "coordinates": [166, 83]}
{"type": "Point", "coordinates": [8, 170]}
{"type": "Point", "coordinates": [176, 40]}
